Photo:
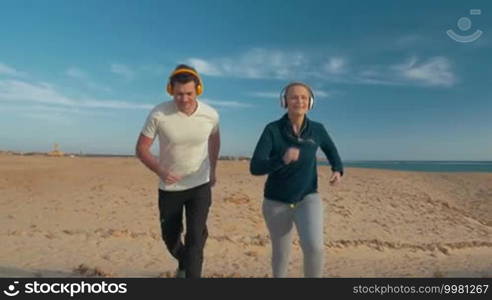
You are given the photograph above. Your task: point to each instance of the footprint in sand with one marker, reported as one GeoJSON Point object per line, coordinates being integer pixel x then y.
{"type": "Point", "coordinates": [237, 199]}
{"type": "Point", "coordinates": [85, 270]}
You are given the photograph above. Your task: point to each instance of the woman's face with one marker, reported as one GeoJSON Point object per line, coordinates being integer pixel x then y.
{"type": "Point", "coordinates": [298, 100]}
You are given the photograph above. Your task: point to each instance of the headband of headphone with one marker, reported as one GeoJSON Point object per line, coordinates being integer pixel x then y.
{"type": "Point", "coordinates": [199, 86]}
{"type": "Point", "coordinates": [283, 94]}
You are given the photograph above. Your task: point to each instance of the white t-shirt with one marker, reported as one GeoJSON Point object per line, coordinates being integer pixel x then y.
{"type": "Point", "coordinates": [183, 142]}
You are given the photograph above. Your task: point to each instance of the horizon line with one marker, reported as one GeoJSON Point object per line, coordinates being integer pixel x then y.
{"type": "Point", "coordinates": [229, 157]}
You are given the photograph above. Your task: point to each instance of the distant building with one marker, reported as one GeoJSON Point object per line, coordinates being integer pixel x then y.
{"type": "Point", "coordinates": [56, 151]}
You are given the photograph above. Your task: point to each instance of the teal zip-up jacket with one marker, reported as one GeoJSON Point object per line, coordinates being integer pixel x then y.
{"type": "Point", "coordinates": [290, 183]}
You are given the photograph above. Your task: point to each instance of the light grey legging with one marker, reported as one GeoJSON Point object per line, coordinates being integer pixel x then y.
{"type": "Point", "coordinates": [308, 217]}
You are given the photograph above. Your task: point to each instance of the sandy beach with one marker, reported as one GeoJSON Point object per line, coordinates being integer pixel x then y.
{"type": "Point", "coordinates": [72, 217]}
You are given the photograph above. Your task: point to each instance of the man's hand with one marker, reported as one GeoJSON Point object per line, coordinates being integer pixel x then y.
{"type": "Point", "coordinates": [292, 154]}
{"type": "Point", "coordinates": [168, 177]}
{"type": "Point", "coordinates": [335, 178]}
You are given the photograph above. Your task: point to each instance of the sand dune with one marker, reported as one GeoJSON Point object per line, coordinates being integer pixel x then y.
{"type": "Point", "coordinates": [65, 217]}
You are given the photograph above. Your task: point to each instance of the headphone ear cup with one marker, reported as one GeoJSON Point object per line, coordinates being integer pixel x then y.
{"type": "Point", "coordinates": [282, 101]}
{"type": "Point", "coordinates": [169, 89]}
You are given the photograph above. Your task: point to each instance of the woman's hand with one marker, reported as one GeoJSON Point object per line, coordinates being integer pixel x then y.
{"type": "Point", "coordinates": [292, 154]}
{"type": "Point", "coordinates": [335, 178]}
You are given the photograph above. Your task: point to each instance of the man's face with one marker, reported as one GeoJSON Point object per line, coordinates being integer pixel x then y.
{"type": "Point", "coordinates": [184, 95]}
{"type": "Point", "coordinates": [298, 99]}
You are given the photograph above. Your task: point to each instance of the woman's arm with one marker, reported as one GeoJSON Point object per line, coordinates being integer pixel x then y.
{"type": "Point", "coordinates": [262, 162]}
{"type": "Point", "coordinates": [330, 150]}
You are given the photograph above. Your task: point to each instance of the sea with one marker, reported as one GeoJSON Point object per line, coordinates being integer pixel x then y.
{"type": "Point", "coordinates": [421, 166]}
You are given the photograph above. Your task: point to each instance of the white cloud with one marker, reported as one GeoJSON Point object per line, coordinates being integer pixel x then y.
{"type": "Point", "coordinates": [53, 110]}
{"type": "Point", "coordinates": [76, 73]}
{"type": "Point", "coordinates": [266, 94]}
{"type": "Point", "coordinates": [123, 70]}
{"type": "Point", "coordinates": [153, 69]}
{"type": "Point", "coordinates": [84, 78]}
{"type": "Point", "coordinates": [44, 93]}
{"type": "Point", "coordinates": [377, 75]}
{"type": "Point", "coordinates": [435, 71]}
{"type": "Point", "coordinates": [335, 65]}
{"type": "Point", "coordinates": [49, 118]}
{"type": "Point", "coordinates": [9, 71]}
{"type": "Point", "coordinates": [15, 90]}
{"type": "Point", "coordinates": [97, 86]}
{"type": "Point", "coordinates": [232, 104]}
{"type": "Point", "coordinates": [256, 63]}
{"type": "Point", "coordinates": [276, 95]}
{"type": "Point", "coordinates": [373, 81]}
{"type": "Point", "coordinates": [409, 40]}
{"type": "Point", "coordinates": [322, 94]}
{"type": "Point", "coordinates": [260, 63]}
{"type": "Point", "coordinates": [47, 96]}
{"type": "Point", "coordinates": [204, 67]}
{"type": "Point", "coordinates": [114, 104]}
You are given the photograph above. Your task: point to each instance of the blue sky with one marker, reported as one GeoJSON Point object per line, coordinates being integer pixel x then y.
{"type": "Point", "coordinates": [390, 83]}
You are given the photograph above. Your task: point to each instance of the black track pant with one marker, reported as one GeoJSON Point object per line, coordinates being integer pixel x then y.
{"type": "Point", "coordinates": [196, 202]}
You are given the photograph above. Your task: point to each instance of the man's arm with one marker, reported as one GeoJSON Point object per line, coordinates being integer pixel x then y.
{"type": "Point", "coordinates": [143, 153]}
{"type": "Point", "coordinates": [142, 150]}
{"type": "Point", "coordinates": [213, 153]}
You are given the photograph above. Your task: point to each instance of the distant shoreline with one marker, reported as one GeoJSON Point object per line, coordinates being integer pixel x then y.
{"type": "Point", "coordinates": [64, 155]}
{"type": "Point", "coordinates": [443, 166]}
{"type": "Point", "coordinates": [232, 157]}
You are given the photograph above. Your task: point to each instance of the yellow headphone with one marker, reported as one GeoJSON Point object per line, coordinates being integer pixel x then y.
{"type": "Point", "coordinates": [199, 86]}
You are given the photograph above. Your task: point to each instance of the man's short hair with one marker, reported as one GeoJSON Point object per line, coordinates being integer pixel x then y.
{"type": "Point", "coordinates": [184, 77]}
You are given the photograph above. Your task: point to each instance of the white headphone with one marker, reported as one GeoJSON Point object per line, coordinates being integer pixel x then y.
{"type": "Point", "coordinates": [283, 94]}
